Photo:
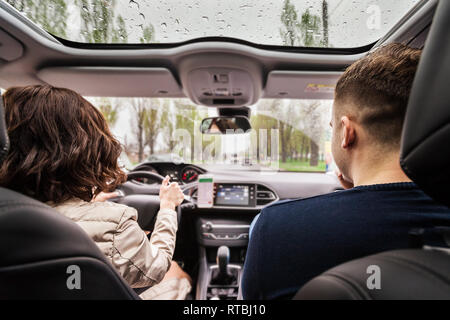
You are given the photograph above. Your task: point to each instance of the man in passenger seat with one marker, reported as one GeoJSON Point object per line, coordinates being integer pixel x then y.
{"type": "Point", "coordinates": [293, 241]}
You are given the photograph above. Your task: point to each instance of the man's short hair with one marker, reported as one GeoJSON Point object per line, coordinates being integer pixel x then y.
{"type": "Point", "coordinates": [377, 88]}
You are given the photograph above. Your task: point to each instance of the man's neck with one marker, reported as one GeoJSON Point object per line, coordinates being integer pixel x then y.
{"type": "Point", "coordinates": [379, 169]}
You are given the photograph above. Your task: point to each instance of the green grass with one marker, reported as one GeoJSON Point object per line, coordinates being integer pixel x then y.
{"type": "Point", "coordinates": [293, 165]}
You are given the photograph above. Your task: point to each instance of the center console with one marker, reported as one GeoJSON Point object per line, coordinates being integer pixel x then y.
{"type": "Point", "coordinates": [235, 195]}
{"type": "Point", "coordinates": [223, 245]}
{"type": "Point", "coordinates": [222, 232]}
{"type": "Point", "coordinates": [224, 278]}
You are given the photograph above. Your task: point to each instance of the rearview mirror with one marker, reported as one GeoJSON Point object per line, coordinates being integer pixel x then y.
{"type": "Point", "coordinates": [225, 125]}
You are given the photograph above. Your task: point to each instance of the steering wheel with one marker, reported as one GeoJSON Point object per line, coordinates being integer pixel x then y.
{"type": "Point", "coordinates": [145, 174]}
{"type": "Point", "coordinates": [143, 197]}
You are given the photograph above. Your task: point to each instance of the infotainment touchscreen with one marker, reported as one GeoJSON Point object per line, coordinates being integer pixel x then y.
{"type": "Point", "coordinates": [234, 195]}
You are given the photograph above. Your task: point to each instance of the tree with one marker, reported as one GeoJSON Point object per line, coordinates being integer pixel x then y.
{"type": "Point", "coordinates": [109, 111]}
{"type": "Point", "coordinates": [309, 30]}
{"type": "Point", "coordinates": [148, 34]}
{"type": "Point", "coordinates": [152, 123]}
{"type": "Point", "coordinates": [314, 120]}
{"type": "Point", "coordinates": [97, 17]}
{"type": "Point", "coordinates": [100, 25]}
{"type": "Point", "coordinates": [139, 110]}
{"type": "Point", "coordinates": [51, 15]}
{"type": "Point", "coordinates": [147, 124]}
{"type": "Point", "coordinates": [325, 40]}
{"type": "Point", "coordinates": [303, 32]}
{"type": "Point", "coordinates": [20, 4]}
{"type": "Point", "coordinates": [98, 22]}
{"type": "Point", "coordinates": [120, 32]}
{"type": "Point", "coordinates": [289, 19]}
{"type": "Point", "coordinates": [168, 122]}
{"type": "Point", "coordinates": [286, 132]}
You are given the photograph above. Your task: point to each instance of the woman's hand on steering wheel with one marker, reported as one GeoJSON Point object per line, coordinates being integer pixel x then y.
{"type": "Point", "coordinates": [170, 195]}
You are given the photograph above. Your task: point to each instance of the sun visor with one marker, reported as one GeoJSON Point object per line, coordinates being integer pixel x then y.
{"type": "Point", "coordinates": [309, 85]}
{"type": "Point", "coordinates": [10, 48]}
{"type": "Point", "coordinates": [114, 81]}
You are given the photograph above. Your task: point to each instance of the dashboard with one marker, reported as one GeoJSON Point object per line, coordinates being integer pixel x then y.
{"type": "Point", "coordinates": [240, 193]}
{"type": "Point", "coordinates": [241, 187]}
{"type": "Point", "coordinates": [181, 173]}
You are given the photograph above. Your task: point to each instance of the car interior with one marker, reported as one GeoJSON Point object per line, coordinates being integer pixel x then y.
{"type": "Point", "coordinates": [227, 75]}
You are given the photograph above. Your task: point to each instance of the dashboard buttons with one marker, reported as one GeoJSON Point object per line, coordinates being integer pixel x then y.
{"type": "Point", "coordinates": [207, 226]}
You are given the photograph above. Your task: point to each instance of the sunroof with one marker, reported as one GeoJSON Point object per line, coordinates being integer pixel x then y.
{"type": "Point", "coordinates": [319, 23]}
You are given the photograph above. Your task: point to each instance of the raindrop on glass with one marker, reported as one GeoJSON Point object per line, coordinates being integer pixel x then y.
{"type": "Point", "coordinates": [133, 3]}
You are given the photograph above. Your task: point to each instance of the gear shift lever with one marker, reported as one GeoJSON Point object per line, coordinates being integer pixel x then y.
{"type": "Point", "coordinates": [222, 276]}
{"type": "Point", "coordinates": [223, 257]}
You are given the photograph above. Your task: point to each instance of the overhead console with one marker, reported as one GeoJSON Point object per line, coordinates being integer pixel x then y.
{"type": "Point", "coordinates": [221, 80]}
{"type": "Point", "coordinates": [221, 86]}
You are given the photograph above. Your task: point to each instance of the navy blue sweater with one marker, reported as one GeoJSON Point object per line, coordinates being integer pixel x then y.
{"type": "Point", "coordinates": [294, 241]}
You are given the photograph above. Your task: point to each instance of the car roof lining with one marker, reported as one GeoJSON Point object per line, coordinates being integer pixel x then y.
{"type": "Point", "coordinates": [39, 58]}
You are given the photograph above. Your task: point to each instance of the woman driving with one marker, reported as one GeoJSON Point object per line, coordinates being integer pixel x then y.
{"type": "Point", "coordinates": [62, 153]}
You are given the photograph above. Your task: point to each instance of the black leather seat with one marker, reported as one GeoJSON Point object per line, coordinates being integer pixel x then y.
{"type": "Point", "coordinates": [38, 246]}
{"type": "Point", "coordinates": [404, 274]}
{"type": "Point", "coordinates": [425, 157]}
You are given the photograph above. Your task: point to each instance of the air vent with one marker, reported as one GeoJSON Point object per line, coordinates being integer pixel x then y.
{"type": "Point", "coordinates": [264, 195]}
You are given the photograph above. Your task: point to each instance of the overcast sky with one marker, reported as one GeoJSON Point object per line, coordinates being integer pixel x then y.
{"type": "Point", "coordinates": [351, 22]}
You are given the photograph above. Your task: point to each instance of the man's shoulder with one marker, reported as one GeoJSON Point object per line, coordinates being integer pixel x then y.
{"type": "Point", "coordinates": [323, 200]}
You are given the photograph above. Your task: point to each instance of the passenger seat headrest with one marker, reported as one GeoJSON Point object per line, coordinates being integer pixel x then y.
{"type": "Point", "coordinates": [4, 140]}
{"type": "Point", "coordinates": [425, 153]}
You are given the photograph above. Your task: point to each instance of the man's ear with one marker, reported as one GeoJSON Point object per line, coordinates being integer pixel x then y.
{"type": "Point", "coordinates": [348, 133]}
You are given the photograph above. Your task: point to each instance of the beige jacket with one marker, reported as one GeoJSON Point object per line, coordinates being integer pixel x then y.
{"type": "Point", "coordinates": [114, 228]}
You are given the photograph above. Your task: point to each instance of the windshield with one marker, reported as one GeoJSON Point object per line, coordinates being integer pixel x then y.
{"type": "Point", "coordinates": [286, 135]}
{"type": "Point", "coordinates": [327, 23]}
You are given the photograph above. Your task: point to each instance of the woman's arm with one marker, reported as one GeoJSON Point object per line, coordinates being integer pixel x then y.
{"type": "Point", "coordinates": [140, 261]}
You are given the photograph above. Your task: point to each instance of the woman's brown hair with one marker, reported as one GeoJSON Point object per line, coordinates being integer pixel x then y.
{"type": "Point", "coordinates": [61, 146]}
